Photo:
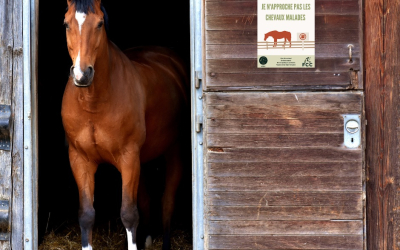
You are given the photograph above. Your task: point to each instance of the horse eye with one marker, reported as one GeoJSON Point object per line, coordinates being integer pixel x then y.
{"type": "Point", "coordinates": [66, 25]}
{"type": "Point", "coordinates": [100, 24]}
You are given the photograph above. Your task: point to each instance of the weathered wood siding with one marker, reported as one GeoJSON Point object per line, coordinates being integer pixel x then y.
{"type": "Point", "coordinates": [382, 89]}
{"type": "Point", "coordinates": [277, 174]}
{"type": "Point", "coordinates": [11, 93]}
{"type": "Point", "coordinates": [231, 48]}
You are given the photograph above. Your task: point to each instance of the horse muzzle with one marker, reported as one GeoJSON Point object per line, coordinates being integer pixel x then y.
{"type": "Point", "coordinates": [86, 78]}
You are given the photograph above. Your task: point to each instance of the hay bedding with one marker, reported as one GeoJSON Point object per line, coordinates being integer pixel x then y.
{"type": "Point", "coordinates": [108, 237]}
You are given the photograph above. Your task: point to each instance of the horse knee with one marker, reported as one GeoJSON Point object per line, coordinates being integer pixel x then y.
{"type": "Point", "coordinates": [130, 216]}
{"type": "Point", "coordinates": [87, 217]}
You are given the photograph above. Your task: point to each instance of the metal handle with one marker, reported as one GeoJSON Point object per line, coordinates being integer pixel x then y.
{"type": "Point", "coordinates": [350, 46]}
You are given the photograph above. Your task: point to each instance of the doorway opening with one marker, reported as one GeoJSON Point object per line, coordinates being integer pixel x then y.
{"type": "Point", "coordinates": [131, 23]}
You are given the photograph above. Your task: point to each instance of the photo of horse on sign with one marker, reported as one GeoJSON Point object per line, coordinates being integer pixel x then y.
{"type": "Point", "coordinates": [286, 35]}
{"type": "Point", "coordinates": [302, 41]}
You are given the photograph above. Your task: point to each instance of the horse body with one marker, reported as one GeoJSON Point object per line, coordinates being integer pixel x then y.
{"type": "Point", "coordinates": [279, 35]}
{"type": "Point", "coordinates": [122, 109]}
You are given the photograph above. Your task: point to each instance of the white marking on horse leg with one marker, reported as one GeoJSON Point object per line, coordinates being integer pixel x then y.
{"type": "Point", "coordinates": [131, 245]}
{"type": "Point", "coordinates": [77, 67]}
{"type": "Point", "coordinates": [148, 243]}
{"type": "Point", "coordinates": [89, 247]}
{"type": "Point", "coordinates": [80, 17]}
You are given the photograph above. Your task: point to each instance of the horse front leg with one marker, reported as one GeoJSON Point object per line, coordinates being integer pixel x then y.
{"type": "Point", "coordinates": [129, 167]}
{"type": "Point", "coordinates": [84, 171]}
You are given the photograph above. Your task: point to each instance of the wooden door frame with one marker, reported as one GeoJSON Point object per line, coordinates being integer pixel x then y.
{"type": "Point", "coordinates": [381, 54]}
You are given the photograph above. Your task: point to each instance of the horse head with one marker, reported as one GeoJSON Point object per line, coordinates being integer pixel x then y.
{"type": "Point", "coordinates": [266, 36]}
{"type": "Point", "coordinates": [86, 38]}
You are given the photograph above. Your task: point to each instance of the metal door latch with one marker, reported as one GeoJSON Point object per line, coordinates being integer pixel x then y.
{"type": "Point", "coordinates": [5, 121]}
{"type": "Point", "coordinates": [352, 131]}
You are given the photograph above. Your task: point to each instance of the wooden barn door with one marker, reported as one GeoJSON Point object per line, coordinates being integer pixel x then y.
{"type": "Point", "coordinates": [278, 173]}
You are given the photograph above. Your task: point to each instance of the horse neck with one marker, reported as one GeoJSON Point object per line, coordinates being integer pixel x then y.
{"type": "Point", "coordinates": [100, 89]}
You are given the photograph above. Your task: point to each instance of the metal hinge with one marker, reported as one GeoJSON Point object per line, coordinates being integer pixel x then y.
{"type": "Point", "coordinates": [5, 125]}
{"type": "Point", "coordinates": [199, 99]}
{"type": "Point", "coordinates": [199, 77]}
{"type": "Point", "coordinates": [199, 123]}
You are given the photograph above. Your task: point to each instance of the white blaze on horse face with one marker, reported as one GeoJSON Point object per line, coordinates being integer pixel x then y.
{"type": "Point", "coordinates": [131, 245]}
{"type": "Point", "coordinates": [77, 67]}
{"type": "Point", "coordinates": [89, 247]}
{"type": "Point", "coordinates": [80, 17]}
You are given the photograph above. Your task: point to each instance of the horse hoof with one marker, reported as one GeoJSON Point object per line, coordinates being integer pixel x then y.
{"type": "Point", "coordinates": [149, 242]}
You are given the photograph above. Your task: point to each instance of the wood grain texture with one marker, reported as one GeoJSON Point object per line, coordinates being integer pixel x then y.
{"type": "Point", "coordinates": [286, 227]}
{"type": "Point", "coordinates": [382, 31]}
{"type": "Point", "coordinates": [307, 154]}
{"type": "Point", "coordinates": [276, 165]}
{"type": "Point", "coordinates": [286, 242]}
{"type": "Point", "coordinates": [278, 169]}
{"type": "Point", "coordinates": [285, 198]}
{"type": "Point", "coordinates": [10, 56]}
{"type": "Point", "coordinates": [274, 140]}
{"type": "Point", "coordinates": [17, 152]}
{"type": "Point", "coordinates": [285, 183]}
{"type": "Point", "coordinates": [264, 212]}
{"type": "Point", "coordinates": [267, 126]}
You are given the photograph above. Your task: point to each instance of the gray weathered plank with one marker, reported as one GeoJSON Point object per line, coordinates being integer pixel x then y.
{"type": "Point", "coordinates": [307, 242]}
{"type": "Point", "coordinates": [295, 154]}
{"type": "Point", "coordinates": [17, 154]}
{"type": "Point", "coordinates": [267, 126]}
{"type": "Point", "coordinates": [280, 169]}
{"type": "Point", "coordinates": [305, 227]}
{"type": "Point", "coordinates": [330, 100]}
{"type": "Point", "coordinates": [339, 79]}
{"type": "Point", "coordinates": [284, 198]}
{"type": "Point", "coordinates": [6, 89]}
{"type": "Point", "coordinates": [263, 212]}
{"type": "Point", "coordinates": [274, 140]}
{"type": "Point", "coordinates": [287, 183]}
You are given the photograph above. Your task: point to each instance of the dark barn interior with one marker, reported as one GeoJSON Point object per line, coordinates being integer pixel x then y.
{"type": "Point", "coordinates": [131, 23]}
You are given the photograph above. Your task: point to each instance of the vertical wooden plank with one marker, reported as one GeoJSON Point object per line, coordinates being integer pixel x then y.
{"type": "Point", "coordinates": [382, 97]}
{"type": "Point", "coordinates": [391, 173]}
{"type": "Point", "coordinates": [17, 225]}
{"type": "Point", "coordinates": [374, 95]}
{"type": "Point", "coordinates": [6, 73]}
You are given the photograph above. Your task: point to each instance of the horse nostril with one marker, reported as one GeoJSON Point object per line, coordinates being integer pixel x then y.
{"type": "Point", "coordinates": [90, 72]}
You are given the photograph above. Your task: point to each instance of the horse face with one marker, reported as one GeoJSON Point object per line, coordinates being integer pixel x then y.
{"type": "Point", "coordinates": [85, 34]}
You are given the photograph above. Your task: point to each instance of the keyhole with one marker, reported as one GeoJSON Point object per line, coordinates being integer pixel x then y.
{"type": "Point", "coordinates": [352, 140]}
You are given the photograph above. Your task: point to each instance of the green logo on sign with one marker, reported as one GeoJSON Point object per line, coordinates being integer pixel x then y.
{"type": "Point", "coordinates": [307, 62]}
{"type": "Point", "coordinates": [263, 60]}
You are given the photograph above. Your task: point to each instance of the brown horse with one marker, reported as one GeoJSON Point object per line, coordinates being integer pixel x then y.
{"type": "Point", "coordinates": [279, 35]}
{"type": "Point", "coordinates": [120, 108]}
